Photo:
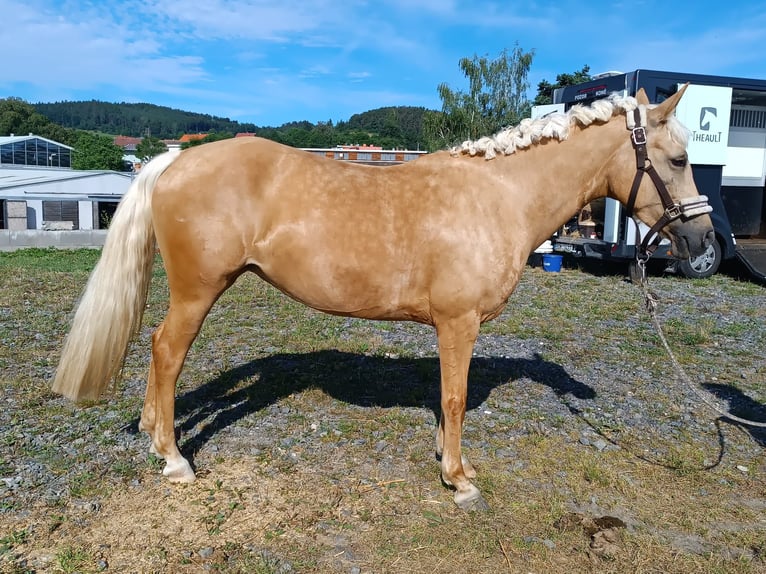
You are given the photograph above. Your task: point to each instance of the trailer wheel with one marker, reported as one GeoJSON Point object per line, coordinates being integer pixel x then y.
{"type": "Point", "coordinates": [703, 266]}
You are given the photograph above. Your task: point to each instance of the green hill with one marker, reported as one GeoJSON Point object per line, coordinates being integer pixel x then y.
{"type": "Point", "coordinates": [389, 126]}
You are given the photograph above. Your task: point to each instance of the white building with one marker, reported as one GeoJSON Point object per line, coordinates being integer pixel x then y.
{"type": "Point", "coordinates": [36, 195]}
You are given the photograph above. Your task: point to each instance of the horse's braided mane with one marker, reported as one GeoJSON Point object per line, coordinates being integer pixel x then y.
{"type": "Point", "coordinates": [554, 126]}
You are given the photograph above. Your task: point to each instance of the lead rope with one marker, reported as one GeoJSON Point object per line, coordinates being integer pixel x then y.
{"type": "Point", "coordinates": [651, 300]}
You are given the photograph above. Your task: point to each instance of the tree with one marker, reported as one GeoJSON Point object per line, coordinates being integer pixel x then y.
{"type": "Point", "coordinates": [496, 98]}
{"type": "Point", "coordinates": [545, 88]}
{"type": "Point", "coordinates": [392, 126]}
{"type": "Point", "coordinates": [20, 118]}
{"type": "Point", "coordinates": [149, 147]}
{"type": "Point", "coordinates": [93, 151]}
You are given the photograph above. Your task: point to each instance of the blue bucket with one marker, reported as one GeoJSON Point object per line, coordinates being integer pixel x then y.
{"type": "Point", "coordinates": [552, 262]}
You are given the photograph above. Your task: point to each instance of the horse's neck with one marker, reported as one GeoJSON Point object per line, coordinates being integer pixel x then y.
{"type": "Point", "coordinates": [551, 182]}
{"type": "Point", "coordinates": [565, 176]}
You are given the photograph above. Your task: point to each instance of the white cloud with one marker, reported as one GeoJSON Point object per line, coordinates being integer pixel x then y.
{"type": "Point", "coordinates": [314, 71]}
{"type": "Point", "coordinates": [300, 59]}
{"type": "Point", "coordinates": [67, 53]}
{"type": "Point", "coordinates": [255, 19]}
{"type": "Point", "coordinates": [358, 76]}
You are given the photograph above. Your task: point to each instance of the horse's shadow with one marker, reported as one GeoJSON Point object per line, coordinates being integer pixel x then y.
{"type": "Point", "coordinates": [366, 381]}
{"type": "Point", "coordinates": [742, 406]}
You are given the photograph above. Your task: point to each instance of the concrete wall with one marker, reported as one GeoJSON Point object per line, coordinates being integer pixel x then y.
{"type": "Point", "coordinates": [17, 215]}
{"type": "Point", "coordinates": [13, 240]}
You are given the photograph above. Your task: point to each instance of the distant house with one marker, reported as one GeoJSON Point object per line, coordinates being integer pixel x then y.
{"type": "Point", "coordinates": [128, 143]}
{"type": "Point", "coordinates": [186, 138]}
{"type": "Point", "coordinates": [368, 154]}
{"type": "Point", "coordinates": [245, 135]}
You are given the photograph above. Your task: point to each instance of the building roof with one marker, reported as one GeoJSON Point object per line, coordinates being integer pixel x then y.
{"type": "Point", "coordinates": [14, 138]}
{"type": "Point", "coordinates": [192, 137]}
{"type": "Point", "coordinates": [126, 141]}
{"type": "Point", "coordinates": [245, 135]}
{"type": "Point", "coordinates": [15, 177]}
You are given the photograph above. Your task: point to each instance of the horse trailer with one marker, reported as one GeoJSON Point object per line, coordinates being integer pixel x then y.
{"type": "Point", "coordinates": [726, 118]}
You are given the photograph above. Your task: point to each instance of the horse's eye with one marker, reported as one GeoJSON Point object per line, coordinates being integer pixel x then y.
{"type": "Point", "coordinates": [679, 161]}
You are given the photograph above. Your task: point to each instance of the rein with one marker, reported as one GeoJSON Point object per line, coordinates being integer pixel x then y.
{"type": "Point", "coordinates": [686, 208]}
{"type": "Point", "coordinates": [651, 300]}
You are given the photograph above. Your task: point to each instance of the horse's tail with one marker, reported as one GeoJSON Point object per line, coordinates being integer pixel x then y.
{"type": "Point", "coordinates": [112, 305]}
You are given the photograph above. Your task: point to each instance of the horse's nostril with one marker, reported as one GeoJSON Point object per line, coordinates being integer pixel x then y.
{"type": "Point", "coordinates": [707, 241]}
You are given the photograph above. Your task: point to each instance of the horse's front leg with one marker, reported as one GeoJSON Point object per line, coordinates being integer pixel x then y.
{"type": "Point", "coordinates": [456, 340]}
{"type": "Point", "coordinates": [468, 468]}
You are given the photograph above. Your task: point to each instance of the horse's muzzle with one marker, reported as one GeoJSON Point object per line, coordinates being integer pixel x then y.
{"type": "Point", "coordinates": [692, 240]}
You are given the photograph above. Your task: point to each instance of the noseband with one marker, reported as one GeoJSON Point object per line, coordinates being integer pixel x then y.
{"type": "Point", "coordinates": [685, 208]}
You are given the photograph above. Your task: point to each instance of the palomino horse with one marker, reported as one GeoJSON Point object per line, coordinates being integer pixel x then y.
{"type": "Point", "coordinates": [442, 240]}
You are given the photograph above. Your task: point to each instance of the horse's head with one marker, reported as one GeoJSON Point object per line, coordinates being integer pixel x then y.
{"type": "Point", "coordinates": [654, 178]}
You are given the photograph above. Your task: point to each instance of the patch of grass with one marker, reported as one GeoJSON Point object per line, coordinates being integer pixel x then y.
{"type": "Point", "coordinates": [371, 497]}
{"type": "Point", "coordinates": [15, 538]}
{"type": "Point", "coordinates": [51, 259]}
{"type": "Point", "coordinates": [596, 473]}
{"type": "Point", "coordinates": [220, 504]}
{"type": "Point", "coordinates": [83, 485]}
{"type": "Point", "coordinates": [74, 559]}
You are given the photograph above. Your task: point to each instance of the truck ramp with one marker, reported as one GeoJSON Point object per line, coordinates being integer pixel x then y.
{"type": "Point", "coordinates": [753, 255]}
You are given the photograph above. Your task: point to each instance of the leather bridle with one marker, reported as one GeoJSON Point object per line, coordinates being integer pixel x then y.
{"type": "Point", "coordinates": [686, 208]}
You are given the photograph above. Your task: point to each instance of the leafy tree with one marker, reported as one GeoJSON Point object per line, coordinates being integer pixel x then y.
{"type": "Point", "coordinates": [93, 151]}
{"type": "Point", "coordinates": [392, 127]}
{"type": "Point", "coordinates": [20, 118]}
{"type": "Point", "coordinates": [545, 89]}
{"type": "Point", "coordinates": [322, 135]}
{"type": "Point", "coordinates": [496, 98]}
{"type": "Point", "coordinates": [149, 147]}
{"type": "Point", "coordinates": [384, 122]}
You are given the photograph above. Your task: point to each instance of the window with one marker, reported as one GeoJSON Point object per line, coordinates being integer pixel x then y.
{"type": "Point", "coordinates": [6, 154]}
{"type": "Point", "coordinates": [104, 212]}
{"type": "Point", "coordinates": [35, 152]}
{"type": "Point", "coordinates": [62, 211]}
{"type": "Point", "coordinates": [748, 117]}
{"type": "Point", "coordinates": [19, 156]}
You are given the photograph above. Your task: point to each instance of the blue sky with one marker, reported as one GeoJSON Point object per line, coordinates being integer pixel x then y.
{"type": "Point", "coordinates": [270, 62]}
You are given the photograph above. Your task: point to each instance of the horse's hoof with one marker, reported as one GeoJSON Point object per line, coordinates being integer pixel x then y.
{"type": "Point", "coordinates": [471, 500]}
{"type": "Point", "coordinates": [180, 472]}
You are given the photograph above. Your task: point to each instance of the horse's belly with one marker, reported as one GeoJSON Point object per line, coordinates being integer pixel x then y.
{"type": "Point", "coordinates": [356, 292]}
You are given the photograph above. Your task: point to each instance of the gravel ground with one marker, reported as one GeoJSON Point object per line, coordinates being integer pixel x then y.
{"type": "Point", "coordinates": [559, 362]}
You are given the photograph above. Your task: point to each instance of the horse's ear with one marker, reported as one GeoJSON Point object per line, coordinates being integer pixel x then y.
{"type": "Point", "coordinates": [641, 97]}
{"type": "Point", "coordinates": [662, 112]}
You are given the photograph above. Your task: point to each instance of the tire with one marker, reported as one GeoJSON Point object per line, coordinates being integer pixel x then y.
{"type": "Point", "coordinates": [703, 266]}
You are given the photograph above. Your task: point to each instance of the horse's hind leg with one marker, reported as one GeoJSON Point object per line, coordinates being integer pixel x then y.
{"type": "Point", "coordinates": [170, 344]}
